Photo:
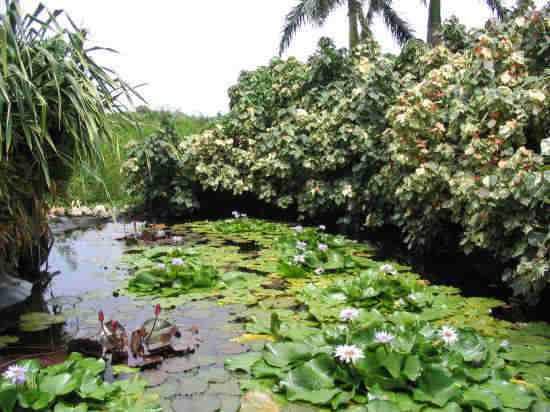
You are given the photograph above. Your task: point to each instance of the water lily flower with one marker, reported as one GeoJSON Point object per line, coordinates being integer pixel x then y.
{"type": "Point", "coordinates": [398, 303]}
{"type": "Point", "coordinates": [411, 296]}
{"type": "Point", "coordinates": [16, 374]}
{"type": "Point", "coordinates": [348, 353]}
{"type": "Point", "coordinates": [298, 228]}
{"type": "Point", "coordinates": [301, 245]}
{"type": "Point", "coordinates": [387, 268]}
{"type": "Point", "coordinates": [319, 271]}
{"type": "Point", "coordinates": [235, 214]}
{"type": "Point", "coordinates": [383, 336]}
{"type": "Point", "coordinates": [322, 247]}
{"type": "Point", "coordinates": [177, 261]}
{"type": "Point", "coordinates": [322, 227]}
{"type": "Point", "coordinates": [244, 215]}
{"type": "Point", "coordinates": [300, 258]}
{"type": "Point", "coordinates": [448, 334]}
{"type": "Point", "coordinates": [161, 265]}
{"type": "Point", "coordinates": [349, 314]}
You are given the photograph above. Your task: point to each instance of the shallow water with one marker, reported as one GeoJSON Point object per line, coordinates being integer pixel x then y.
{"type": "Point", "coordinates": [89, 273]}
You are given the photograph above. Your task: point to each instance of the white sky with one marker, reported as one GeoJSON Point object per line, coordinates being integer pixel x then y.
{"type": "Point", "coordinates": [190, 52]}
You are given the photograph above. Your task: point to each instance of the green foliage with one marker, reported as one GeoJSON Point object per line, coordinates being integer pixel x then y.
{"type": "Point", "coordinates": [73, 385]}
{"type": "Point", "coordinates": [153, 174]}
{"type": "Point", "coordinates": [304, 252]}
{"type": "Point", "coordinates": [395, 360]}
{"type": "Point", "coordinates": [443, 143]}
{"type": "Point", "coordinates": [55, 102]}
{"type": "Point", "coordinates": [105, 181]}
{"type": "Point", "coordinates": [170, 272]}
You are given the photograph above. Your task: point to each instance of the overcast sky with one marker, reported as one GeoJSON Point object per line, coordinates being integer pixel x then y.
{"type": "Point", "coordinates": [190, 52]}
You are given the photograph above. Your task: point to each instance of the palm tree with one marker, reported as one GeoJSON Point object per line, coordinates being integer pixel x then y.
{"type": "Point", "coordinates": [434, 16]}
{"type": "Point", "coordinates": [317, 11]}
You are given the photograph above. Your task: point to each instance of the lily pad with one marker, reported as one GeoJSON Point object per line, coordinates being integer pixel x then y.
{"type": "Point", "coordinates": [7, 339]}
{"type": "Point", "coordinates": [64, 300]}
{"type": "Point", "coordinates": [193, 385]}
{"type": "Point", "coordinates": [36, 321]}
{"type": "Point", "coordinates": [180, 364]}
{"type": "Point", "coordinates": [204, 403]}
{"type": "Point", "coordinates": [226, 388]}
{"type": "Point", "coordinates": [216, 375]}
{"type": "Point", "coordinates": [154, 377]}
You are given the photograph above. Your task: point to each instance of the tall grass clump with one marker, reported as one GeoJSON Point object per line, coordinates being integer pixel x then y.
{"type": "Point", "coordinates": [55, 103]}
{"type": "Point", "coordinates": [103, 181]}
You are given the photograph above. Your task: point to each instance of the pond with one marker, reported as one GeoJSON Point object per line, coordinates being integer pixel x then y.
{"type": "Point", "coordinates": [89, 271]}
{"type": "Point", "coordinates": [271, 307]}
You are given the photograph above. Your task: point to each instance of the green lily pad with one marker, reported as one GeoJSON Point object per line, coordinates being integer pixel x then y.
{"type": "Point", "coordinates": [7, 339]}
{"type": "Point", "coordinates": [243, 361]}
{"type": "Point", "coordinates": [284, 353]}
{"type": "Point", "coordinates": [481, 397]}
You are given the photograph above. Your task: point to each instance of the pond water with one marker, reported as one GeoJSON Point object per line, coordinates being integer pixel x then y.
{"type": "Point", "coordinates": [89, 272]}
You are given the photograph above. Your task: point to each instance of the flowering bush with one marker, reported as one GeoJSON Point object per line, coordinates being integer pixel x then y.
{"type": "Point", "coordinates": [298, 134]}
{"type": "Point", "coordinates": [443, 143]}
{"type": "Point", "coordinates": [155, 176]}
{"type": "Point", "coordinates": [463, 139]}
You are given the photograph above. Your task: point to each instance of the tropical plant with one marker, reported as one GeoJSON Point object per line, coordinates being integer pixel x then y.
{"type": "Point", "coordinates": [317, 11]}
{"type": "Point", "coordinates": [73, 385]}
{"type": "Point", "coordinates": [154, 177]}
{"type": "Point", "coordinates": [389, 343]}
{"type": "Point", "coordinates": [434, 17]}
{"type": "Point", "coordinates": [54, 101]}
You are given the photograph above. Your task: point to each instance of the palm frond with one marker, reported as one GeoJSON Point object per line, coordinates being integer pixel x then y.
{"type": "Point", "coordinates": [304, 13]}
{"type": "Point", "coordinates": [496, 7]}
{"type": "Point", "coordinates": [399, 28]}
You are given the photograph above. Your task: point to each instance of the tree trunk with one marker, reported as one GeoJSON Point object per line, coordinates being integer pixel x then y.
{"type": "Point", "coordinates": [434, 21]}
{"type": "Point", "coordinates": [365, 29]}
{"type": "Point", "coordinates": [353, 29]}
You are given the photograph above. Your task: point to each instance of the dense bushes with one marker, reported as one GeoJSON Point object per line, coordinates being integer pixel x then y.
{"type": "Point", "coordinates": [443, 143]}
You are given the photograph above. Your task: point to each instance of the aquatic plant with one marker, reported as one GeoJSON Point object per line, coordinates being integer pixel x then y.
{"type": "Point", "coordinates": [73, 385]}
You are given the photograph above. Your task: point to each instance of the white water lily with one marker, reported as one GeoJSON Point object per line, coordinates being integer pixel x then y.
{"type": "Point", "coordinates": [387, 268]}
{"type": "Point", "coordinates": [322, 227]}
{"type": "Point", "coordinates": [235, 214]}
{"type": "Point", "coordinates": [383, 336]}
{"type": "Point", "coordinates": [349, 314]}
{"type": "Point", "coordinates": [298, 228]}
{"type": "Point", "coordinates": [300, 258]}
{"type": "Point", "coordinates": [319, 271]}
{"type": "Point", "coordinates": [177, 261]}
{"type": "Point", "coordinates": [348, 353]}
{"type": "Point", "coordinates": [301, 245]}
{"type": "Point", "coordinates": [16, 374]}
{"type": "Point", "coordinates": [322, 246]}
{"type": "Point", "coordinates": [448, 334]}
